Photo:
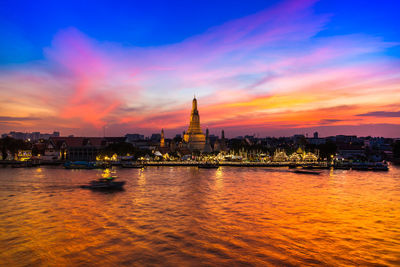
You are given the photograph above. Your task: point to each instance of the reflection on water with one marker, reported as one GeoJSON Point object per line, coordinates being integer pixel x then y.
{"type": "Point", "coordinates": [109, 172]}
{"type": "Point", "coordinates": [186, 216]}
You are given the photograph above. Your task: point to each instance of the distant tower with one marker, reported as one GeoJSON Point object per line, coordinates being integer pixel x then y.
{"type": "Point", "coordinates": [207, 146]}
{"type": "Point", "coordinates": [223, 145]}
{"type": "Point", "coordinates": [162, 140]}
{"type": "Point", "coordinates": [316, 135]}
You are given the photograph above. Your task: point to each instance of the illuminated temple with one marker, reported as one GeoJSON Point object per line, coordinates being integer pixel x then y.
{"type": "Point", "coordinates": [194, 137]}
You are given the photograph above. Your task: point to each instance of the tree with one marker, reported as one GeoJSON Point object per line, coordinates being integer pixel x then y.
{"type": "Point", "coordinates": [396, 149]}
{"type": "Point", "coordinates": [13, 145]}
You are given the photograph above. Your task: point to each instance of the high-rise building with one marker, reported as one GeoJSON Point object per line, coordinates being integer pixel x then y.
{"type": "Point", "coordinates": [155, 137]}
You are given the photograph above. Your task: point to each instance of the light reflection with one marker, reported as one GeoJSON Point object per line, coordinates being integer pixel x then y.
{"type": "Point", "coordinates": [331, 172]}
{"type": "Point", "coordinates": [39, 173]}
{"type": "Point", "coordinates": [109, 173]}
{"type": "Point", "coordinates": [219, 180]}
{"type": "Point", "coordinates": [245, 219]}
{"type": "Point", "coordinates": [142, 177]}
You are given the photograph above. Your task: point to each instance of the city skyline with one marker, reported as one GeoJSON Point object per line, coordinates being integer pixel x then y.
{"type": "Point", "coordinates": [273, 69]}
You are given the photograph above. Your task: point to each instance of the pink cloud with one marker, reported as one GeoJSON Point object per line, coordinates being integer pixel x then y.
{"type": "Point", "coordinates": [266, 70]}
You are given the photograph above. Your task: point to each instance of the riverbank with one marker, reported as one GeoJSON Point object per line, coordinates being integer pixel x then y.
{"type": "Point", "coordinates": [372, 166]}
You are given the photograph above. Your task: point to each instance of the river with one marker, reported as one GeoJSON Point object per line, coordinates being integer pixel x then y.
{"type": "Point", "coordinates": [184, 216]}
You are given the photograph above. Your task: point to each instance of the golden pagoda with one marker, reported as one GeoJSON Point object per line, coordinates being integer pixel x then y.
{"type": "Point", "coordinates": [194, 137]}
{"type": "Point", "coordinates": [162, 140]}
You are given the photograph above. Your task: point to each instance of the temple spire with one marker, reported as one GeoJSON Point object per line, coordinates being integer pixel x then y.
{"type": "Point", "coordinates": [162, 141]}
{"type": "Point", "coordinates": [194, 135]}
{"type": "Point", "coordinates": [194, 105]}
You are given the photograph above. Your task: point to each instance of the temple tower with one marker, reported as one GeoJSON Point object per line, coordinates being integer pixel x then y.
{"type": "Point", "coordinates": [220, 144]}
{"type": "Point", "coordinates": [162, 141]}
{"type": "Point", "coordinates": [194, 137]}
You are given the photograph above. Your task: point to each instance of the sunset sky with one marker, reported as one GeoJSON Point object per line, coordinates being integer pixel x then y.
{"type": "Point", "coordinates": [271, 68]}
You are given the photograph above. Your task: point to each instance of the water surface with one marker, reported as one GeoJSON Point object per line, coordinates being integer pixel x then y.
{"type": "Point", "coordinates": [184, 216]}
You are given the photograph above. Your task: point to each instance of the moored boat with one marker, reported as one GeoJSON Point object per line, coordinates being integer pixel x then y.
{"type": "Point", "coordinates": [380, 166]}
{"type": "Point", "coordinates": [293, 166]}
{"type": "Point", "coordinates": [307, 172]}
{"type": "Point", "coordinates": [208, 165]}
{"type": "Point", "coordinates": [360, 167]}
{"type": "Point", "coordinates": [315, 167]}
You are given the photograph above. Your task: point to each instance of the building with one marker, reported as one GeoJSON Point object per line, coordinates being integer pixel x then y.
{"type": "Point", "coordinates": [194, 137]}
{"type": "Point", "coordinates": [316, 141]}
{"type": "Point", "coordinates": [24, 155]}
{"type": "Point", "coordinates": [134, 137]}
{"type": "Point", "coordinates": [155, 137]}
{"type": "Point", "coordinates": [351, 151]}
{"type": "Point", "coordinates": [51, 151]}
{"type": "Point", "coordinates": [220, 144]}
{"type": "Point", "coordinates": [34, 136]}
{"type": "Point", "coordinates": [78, 148]}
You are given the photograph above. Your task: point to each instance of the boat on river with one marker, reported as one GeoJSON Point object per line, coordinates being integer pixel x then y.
{"type": "Point", "coordinates": [108, 183]}
{"type": "Point", "coordinates": [380, 166]}
{"type": "Point", "coordinates": [208, 165]}
{"type": "Point", "coordinates": [361, 166]}
{"type": "Point", "coordinates": [307, 172]}
{"type": "Point", "coordinates": [315, 167]}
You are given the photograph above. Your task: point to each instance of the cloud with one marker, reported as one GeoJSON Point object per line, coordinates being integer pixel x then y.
{"type": "Point", "coordinates": [380, 114]}
{"type": "Point", "coordinates": [329, 121]}
{"type": "Point", "coordinates": [6, 118]}
{"type": "Point", "coordinates": [267, 70]}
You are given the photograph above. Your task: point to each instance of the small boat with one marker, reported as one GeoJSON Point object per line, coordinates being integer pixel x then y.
{"type": "Point", "coordinates": [309, 167]}
{"type": "Point", "coordinates": [208, 165]}
{"type": "Point", "coordinates": [315, 167]}
{"type": "Point", "coordinates": [379, 166]}
{"type": "Point", "coordinates": [360, 167]}
{"type": "Point", "coordinates": [307, 172]}
{"type": "Point", "coordinates": [293, 166]}
{"type": "Point", "coordinates": [108, 183]}
{"type": "Point", "coordinates": [133, 165]}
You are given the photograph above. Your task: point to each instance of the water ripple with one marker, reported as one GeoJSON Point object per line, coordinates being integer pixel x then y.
{"type": "Point", "coordinates": [174, 216]}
